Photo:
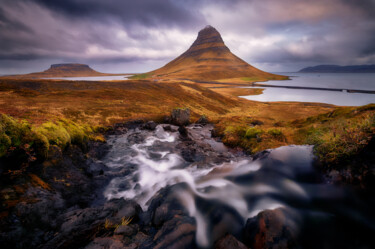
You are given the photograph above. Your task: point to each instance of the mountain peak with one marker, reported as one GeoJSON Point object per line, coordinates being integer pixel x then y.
{"type": "Point", "coordinates": [208, 58]}
{"type": "Point", "coordinates": [208, 38]}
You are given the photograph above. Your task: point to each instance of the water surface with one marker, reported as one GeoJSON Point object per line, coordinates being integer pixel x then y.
{"type": "Point", "coordinates": [365, 81]}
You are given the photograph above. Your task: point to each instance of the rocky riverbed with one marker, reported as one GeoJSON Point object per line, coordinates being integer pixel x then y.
{"type": "Point", "coordinates": [164, 186]}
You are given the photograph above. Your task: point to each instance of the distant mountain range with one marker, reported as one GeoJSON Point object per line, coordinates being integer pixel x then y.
{"type": "Point", "coordinates": [339, 69]}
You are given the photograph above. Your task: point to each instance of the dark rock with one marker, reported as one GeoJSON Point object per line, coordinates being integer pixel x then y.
{"type": "Point", "coordinates": [136, 138]}
{"type": "Point", "coordinates": [180, 117]}
{"type": "Point", "coordinates": [229, 242]}
{"type": "Point", "coordinates": [130, 209]}
{"type": "Point", "coordinates": [261, 155]}
{"type": "Point", "coordinates": [202, 120]}
{"type": "Point", "coordinates": [270, 229]}
{"type": "Point", "coordinates": [125, 230]}
{"type": "Point", "coordinates": [256, 122]}
{"type": "Point", "coordinates": [183, 131]}
{"type": "Point", "coordinates": [151, 125]}
{"type": "Point", "coordinates": [176, 233]}
{"type": "Point", "coordinates": [108, 243]}
{"type": "Point", "coordinates": [96, 168]}
{"type": "Point", "coordinates": [171, 128]}
{"type": "Point", "coordinates": [43, 211]}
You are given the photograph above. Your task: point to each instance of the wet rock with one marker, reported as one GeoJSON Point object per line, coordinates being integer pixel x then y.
{"type": "Point", "coordinates": [183, 131]}
{"type": "Point", "coordinates": [229, 242]}
{"type": "Point", "coordinates": [108, 243]}
{"type": "Point", "coordinates": [176, 233]}
{"type": "Point", "coordinates": [151, 125]}
{"type": "Point", "coordinates": [261, 155]}
{"type": "Point", "coordinates": [96, 168]}
{"type": "Point", "coordinates": [136, 138]}
{"type": "Point", "coordinates": [270, 229]}
{"type": "Point", "coordinates": [171, 128]}
{"type": "Point", "coordinates": [180, 117]}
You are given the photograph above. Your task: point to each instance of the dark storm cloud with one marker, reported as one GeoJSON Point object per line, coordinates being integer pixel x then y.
{"type": "Point", "coordinates": [146, 12]}
{"type": "Point", "coordinates": [149, 33]}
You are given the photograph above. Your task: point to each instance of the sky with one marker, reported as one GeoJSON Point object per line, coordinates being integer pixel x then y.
{"type": "Point", "coordinates": [130, 36]}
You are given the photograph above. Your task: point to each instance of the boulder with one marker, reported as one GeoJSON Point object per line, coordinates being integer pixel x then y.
{"type": "Point", "coordinates": [151, 125]}
{"type": "Point", "coordinates": [270, 229]}
{"type": "Point", "coordinates": [180, 117]}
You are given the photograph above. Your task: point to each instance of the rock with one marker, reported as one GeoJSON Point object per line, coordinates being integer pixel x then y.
{"type": "Point", "coordinates": [95, 168]}
{"type": "Point", "coordinates": [125, 230]}
{"type": "Point", "coordinates": [108, 243]}
{"type": "Point", "coordinates": [180, 117]}
{"type": "Point", "coordinates": [202, 120]}
{"type": "Point", "coordinates": [183, 131]}
{"type": "Point", "coordinates": [41, 213]}
{"type": "Point", "coordinates": [229, 242]}
{"type": "Point", "coordinates": [270, 229]}
{"type": "Point", "coordinates": [151, 125]}
{"type": "Point", "coordinates": [131, 209]}
{"type": "Point", "coordinates": [176, 233]}
{"type": "Point", "coordinates": [171, 128]}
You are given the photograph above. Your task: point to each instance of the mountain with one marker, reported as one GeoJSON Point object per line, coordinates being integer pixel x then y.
{"type": "Point", "coordinates": [209, 58]}
{"type": "Point", "coordinates": [339, 69]}
{"type": "Point", "coordinates": [63, 70]}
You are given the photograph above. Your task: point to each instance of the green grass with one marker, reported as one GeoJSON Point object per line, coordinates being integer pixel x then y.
{"type": "Point", "coordinates": [140, 76]}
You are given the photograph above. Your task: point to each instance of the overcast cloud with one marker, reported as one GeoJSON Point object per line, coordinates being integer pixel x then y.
{"type": "Point", "coordinates": [142, 35]}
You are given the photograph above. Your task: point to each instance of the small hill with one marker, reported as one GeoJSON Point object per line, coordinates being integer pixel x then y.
{"type": "Point", "coordinates": [63, 70]}
{"type": "Point", "coordinates": [209, 58]}
{"type": "Point", "coordinates": [339, 69]}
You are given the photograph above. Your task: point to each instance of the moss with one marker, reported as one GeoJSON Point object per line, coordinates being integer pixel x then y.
{"type": "Point", "coordinates": [55, 133]}
{"type": "Point", "coordinates": [5, 143]}
{"type": "Point", "coordinates": [140, 76]}
{"type": "Point", "coordinates": [253, 132]}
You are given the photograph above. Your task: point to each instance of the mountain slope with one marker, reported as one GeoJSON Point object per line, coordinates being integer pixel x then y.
{"type": "Point", "coordinates": [209, 58]}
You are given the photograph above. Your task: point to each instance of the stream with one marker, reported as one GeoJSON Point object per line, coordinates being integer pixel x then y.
{"type": "Point", "coordinates": [223, 189]}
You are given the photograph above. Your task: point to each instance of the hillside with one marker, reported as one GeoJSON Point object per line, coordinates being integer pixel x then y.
{"type": "Point", "coordinates": [339, 69]}
{"type": "Point", "coordinates": [63, 70]}
{"type": "Point", "coordinates": [209, 58]}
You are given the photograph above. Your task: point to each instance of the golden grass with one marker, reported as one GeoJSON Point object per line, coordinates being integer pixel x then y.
{"type": "Point", "coordinates": [71, 107]}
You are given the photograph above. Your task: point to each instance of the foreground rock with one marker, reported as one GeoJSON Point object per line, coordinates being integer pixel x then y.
{"type": "Point", "coordinates": [180, 117]}
{"type": "Point", "coordinates": [270, 229]}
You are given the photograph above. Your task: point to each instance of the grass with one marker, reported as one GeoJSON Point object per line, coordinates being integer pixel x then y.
{"type": "Point", "coordinates": [59, 113]}
{"type": "Point", "coordinates": [125, 221]}
{"type": "Point", "coordinates": [140, 76]}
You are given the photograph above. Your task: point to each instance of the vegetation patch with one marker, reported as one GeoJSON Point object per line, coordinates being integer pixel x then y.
{"type": "Point", "coordinates": [140, 76]}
